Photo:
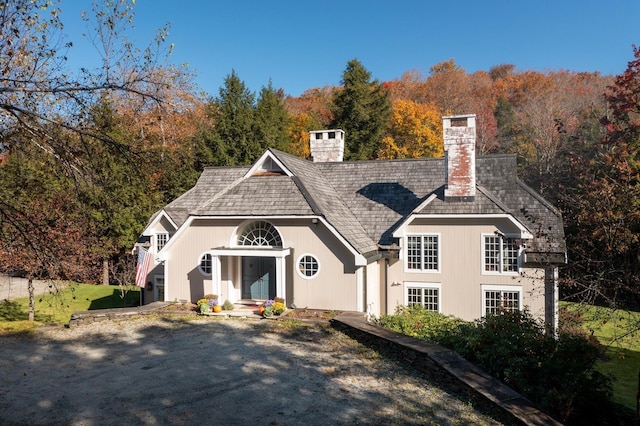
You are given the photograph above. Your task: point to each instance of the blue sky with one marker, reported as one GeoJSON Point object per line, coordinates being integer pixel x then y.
{"type": "Point", "coordinates": [302, 44]}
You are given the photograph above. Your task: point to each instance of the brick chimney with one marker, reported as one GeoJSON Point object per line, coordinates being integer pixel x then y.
{"type": "Point", "coordinates": [326, 145]}
{"type": "Point", "coordinates": [459, 151]}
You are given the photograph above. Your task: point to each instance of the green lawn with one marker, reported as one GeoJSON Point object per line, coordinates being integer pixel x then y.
{"type": "Point", "coordinates": [56, 307]}
{"type": "Point", "coordinates": [623, 350]}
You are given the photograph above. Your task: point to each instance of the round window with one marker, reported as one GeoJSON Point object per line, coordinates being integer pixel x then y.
{"type": "Point", "coordinates": [205, 263]}
{"type": "Point", "coordinates": [308, 266]}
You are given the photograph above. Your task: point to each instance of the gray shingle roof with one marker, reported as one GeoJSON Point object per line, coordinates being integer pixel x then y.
{"type": "Point", "coordinates": [366, 200]}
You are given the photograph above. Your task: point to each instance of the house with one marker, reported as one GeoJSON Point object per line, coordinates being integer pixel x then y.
{"type": "Point", "coordinates": [461, 235]}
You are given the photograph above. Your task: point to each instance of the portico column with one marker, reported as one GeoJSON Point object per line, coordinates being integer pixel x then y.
{"type": "Point", "coordinates": [216, 275]}
{"type": "Point", "coordinates": [281, 285]}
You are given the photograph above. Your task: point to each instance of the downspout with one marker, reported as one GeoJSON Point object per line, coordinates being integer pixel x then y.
{"type": "Point", "coordinates": [386, 285]}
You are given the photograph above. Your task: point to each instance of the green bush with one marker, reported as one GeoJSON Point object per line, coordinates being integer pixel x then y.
{"type": "Point", "coordinates": [558, 374]}
{"type": "Point", "coordinates": [416, 321]}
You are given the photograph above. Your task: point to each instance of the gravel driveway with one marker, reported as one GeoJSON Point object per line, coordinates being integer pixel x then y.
{"type": "Point", "coordinates": [155, 370]}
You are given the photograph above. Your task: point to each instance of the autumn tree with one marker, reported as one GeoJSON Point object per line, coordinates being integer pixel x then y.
{"type": "Point", "coordinates": [362, 110]}
{"type": "Point", "coordinates": [316, 103]}
{"type": "Point", "coordinates": [309, 111]}
{"type": "Point", "coordinates": [604, 204]}
{"type": "Point", "coordinates": [37, 204]}
{"type": "Point", "coordinates": [415, 131]}
{"type": "Point", "coordinates": [447, 87]}
{"type": "Point", "coordinates": [411, 86]}
{"type": "Point", "coordinates": [299, 127]}
{"type": "Point", "coordinates": [46, 107]}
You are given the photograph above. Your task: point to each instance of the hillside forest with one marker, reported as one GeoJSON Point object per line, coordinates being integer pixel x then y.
{"type": "Point", "coordinates": [87, 156]}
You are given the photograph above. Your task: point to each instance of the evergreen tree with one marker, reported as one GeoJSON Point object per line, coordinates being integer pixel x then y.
{"type": "Point", "coordinates": [119, 193]}
{"type": "Point", "coordinates": [232, 140]}
{"type": "Point", "coordinates": [272, 120]}
{"type": "Point", "coordinates": [362, 109]}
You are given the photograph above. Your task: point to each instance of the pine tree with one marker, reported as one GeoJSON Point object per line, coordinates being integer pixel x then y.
{"type": "Point", "coordinates": [233, 138]}
{"type": "Point", "coordinates": [362, 109]}
{"type": "Point", "coordinates": [271, 119]}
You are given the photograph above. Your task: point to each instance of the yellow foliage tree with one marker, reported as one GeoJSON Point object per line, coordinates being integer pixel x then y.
{"type": "Point", "coordinates": [299, 127]}
{"type": "Point", "coordinates": [415, 131]}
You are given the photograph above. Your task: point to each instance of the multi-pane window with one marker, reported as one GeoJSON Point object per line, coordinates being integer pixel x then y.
{"type": "Point", "coordinates": [426, 296]}
{"type": "Point", "coordinates": [205, 263]}
{"type": "Point", "coordinates": [423, 252]}
{"type": "Point", "coordinates": [500, 254]}
{"type": "Point", "coordinates": [308, 266]}
{"type": "Point", "coordinates": [161, 240]}
{"type": "Point", "coordinates": [261, 234]}
{"type": "Point", "coordinates": [498, 300]}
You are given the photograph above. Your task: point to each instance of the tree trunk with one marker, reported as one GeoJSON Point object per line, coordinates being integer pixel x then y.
{"type": "Point", "coordinates": [105, 271]}
{"type": "Point", "coordinates": [32, 302]}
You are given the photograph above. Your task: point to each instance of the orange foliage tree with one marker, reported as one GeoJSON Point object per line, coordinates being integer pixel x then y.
{"type": "Point", "coordinates": [415, 131]}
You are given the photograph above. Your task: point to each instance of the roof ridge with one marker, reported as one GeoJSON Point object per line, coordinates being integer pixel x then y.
{"type": "Point", "coordinates": [494, 199]}
{"type": "Point", "coordinates": [218, 194]}
{"type": "Point", "coordinates": [319, 204]}
{"type": "Point", "coordinates": [538, 197]}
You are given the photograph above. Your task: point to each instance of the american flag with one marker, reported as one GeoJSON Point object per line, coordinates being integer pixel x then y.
{"type": "Point", "coordinates": [144, 260]}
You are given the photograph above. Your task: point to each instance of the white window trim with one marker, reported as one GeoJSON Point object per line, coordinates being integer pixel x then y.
{"type": "Point", "coordinates": [500, 272]}
{"type": "Point", "coordinates": [202, 271]}
{"type": "Point", "coordinates": [492, 287]}
{"type": "Point", "coordinates": [156, 240]}
{"type": "Point", "coordinates": [303, 276]}
{"type": "Point", "coordinates": [406, 252]}
{"type": "Point", "coordinates": [415, 284]}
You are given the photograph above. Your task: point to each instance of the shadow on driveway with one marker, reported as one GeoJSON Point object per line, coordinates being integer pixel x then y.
{"type": "Point", "coordinates": [170, 371]}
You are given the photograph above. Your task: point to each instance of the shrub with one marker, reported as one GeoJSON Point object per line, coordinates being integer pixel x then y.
{"type": "Point", "coordinates": [419, 322]}
{"type": "Point", "coordinates": [227, 305]}
{"type": "Point", "coordinates": [559, 374]}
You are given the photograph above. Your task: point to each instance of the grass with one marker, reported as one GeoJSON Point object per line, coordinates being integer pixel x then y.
{"type": "Point", "coordinates": [622, 360]}
{"type": "Point", "coordinates": [57, 305]}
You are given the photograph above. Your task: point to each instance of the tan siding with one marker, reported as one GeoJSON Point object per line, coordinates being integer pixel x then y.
{"type": "Point", "coordinates": [461, 273]}
{"type": "Point", "coordinates": [163, 225]}
{"type": "Point", "coordinates": [335, 285]}
{"type": "Point", "coordinates": [333, 288]}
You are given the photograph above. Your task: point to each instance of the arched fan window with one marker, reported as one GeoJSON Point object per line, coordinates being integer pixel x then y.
{"type": "Point", "coordinates": [261, 234]}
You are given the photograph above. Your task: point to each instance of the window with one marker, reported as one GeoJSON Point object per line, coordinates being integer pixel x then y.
{"type": "Point", "coordinates": [205, 263]}
{"type": "Point", "coordinates": [500, 254]}
{"type": "Point", "coordinates": [426, 295]}
{"type": "Point", "coordinates": [423, 252]}
{"type": "Point", "coordinates": [261, 234]}
{"type": "Point", "coordinates": [308, 266]}
{"type": "Point", "coordinates": [161, 240]}
{"type": "Point", "coordinates": [499, 299]}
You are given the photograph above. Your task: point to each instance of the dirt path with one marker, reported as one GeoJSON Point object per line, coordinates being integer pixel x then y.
{"type": "Point", "coordinates": [171, 371]}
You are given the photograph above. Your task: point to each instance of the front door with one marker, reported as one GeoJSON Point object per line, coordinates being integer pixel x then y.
{"type": "Point", "coordinates": [258, 278]}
